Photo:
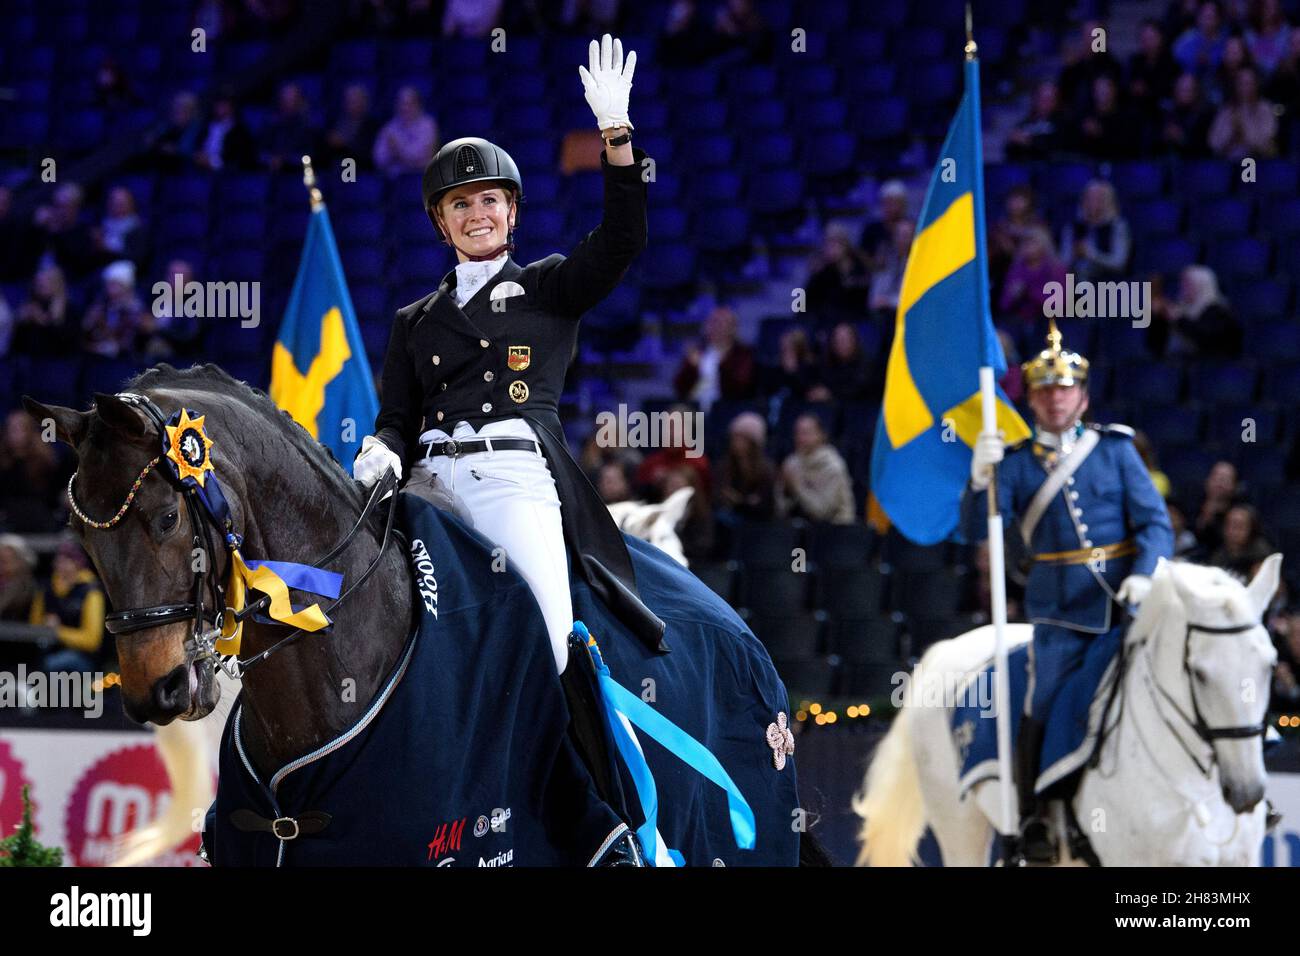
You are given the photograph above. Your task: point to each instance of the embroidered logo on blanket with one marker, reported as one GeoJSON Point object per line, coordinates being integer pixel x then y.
{"type": "Point", "coordinates": [424, 578]}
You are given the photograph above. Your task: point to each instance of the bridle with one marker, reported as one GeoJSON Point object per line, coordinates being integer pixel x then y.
{"type": "Point", "coordinates": [208, 511]}
{"type": "Point", "coordinates": [1196, 720]}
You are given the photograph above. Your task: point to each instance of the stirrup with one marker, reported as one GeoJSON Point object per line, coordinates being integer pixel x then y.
{"type": "Point", "coordinates": [1036, 844]}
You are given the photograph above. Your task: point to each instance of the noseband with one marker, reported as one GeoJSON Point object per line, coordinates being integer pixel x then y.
{"type": "Point", "coordinates": [208, 511]}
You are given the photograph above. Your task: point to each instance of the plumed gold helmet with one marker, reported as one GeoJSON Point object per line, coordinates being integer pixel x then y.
{"type": "Point", "coordinates": [1055, 365]}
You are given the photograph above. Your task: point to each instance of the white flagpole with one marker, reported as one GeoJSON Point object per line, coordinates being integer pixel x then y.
{"type": "Point", "coordinates": [998, 595]}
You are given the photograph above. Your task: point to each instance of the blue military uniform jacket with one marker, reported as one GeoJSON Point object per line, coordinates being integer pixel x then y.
{"type": "Point", "coordinates": [1109, 503]}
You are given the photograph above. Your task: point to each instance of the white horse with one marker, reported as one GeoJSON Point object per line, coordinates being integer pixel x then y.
{"type": "Point", "coordinates": [1180, 775]}
{"type": "Point", "coordinates": [188, 748]}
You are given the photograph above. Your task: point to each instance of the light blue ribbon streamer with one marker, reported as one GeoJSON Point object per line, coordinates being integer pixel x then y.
{"type": "Point", "coordinates": [673, 739]}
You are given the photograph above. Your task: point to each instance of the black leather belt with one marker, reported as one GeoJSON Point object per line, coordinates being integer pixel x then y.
{"type": "Point", "coordinates": [455, 449]}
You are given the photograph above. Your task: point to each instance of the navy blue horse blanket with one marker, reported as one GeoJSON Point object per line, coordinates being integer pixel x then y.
{"type": "Point", "coordinates": [463, 759]}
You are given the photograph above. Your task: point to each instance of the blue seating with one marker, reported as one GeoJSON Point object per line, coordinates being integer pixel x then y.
{"type": "Point", "coordinates": [360, 226]}
{"type": "Point", "coordinates": [363, 262]}
{"type": "Point", "coordinates": [1170, 425]}
{"type": "Point", "coordinates": [1138, 180]}
{"type": "Point", "coordinates": [543, 225]}
{"type": "Point", "coordinates": [934, 81]}
{"type": "Point", "coordinates": [1226, 382]}
{"type": "Point", "coordinates": [1227, 216]}
{"type": "Point", "coordinates": [770, 149]}
{"type": "Point", "coordinates": [1151, 384]}
{"type": "Point", "coordinates": [1168, 255]}
{"type": "Point", "coordinates": [185, 225]}
{"type": "Point", "coordinates": [869, 79]}
{"type": "Point", "coordinates": [1241, 257]}
{"type": "Point", "coordinates": [765, 115]}
{"type": "Point", "coordinates": [885, 119]}
{"type": "Point", "coordinates": [669, 268]}
{"type": "Point", "coordinates": [1156, 217]}
{"type": "Point", "coordinates": [1278, 340]}
{"type": "Point", "coordinates": [667, 223]}
{"type": "Point", "coordinates": [1280, 216]}
{"type": "Point", "coordinates": [815, 81]}
{"type": "Point", "coordinates": [1229, 423]}
{"type": "Point", "coordinates": [923, 43]}
{"type": "Point", "coordinates": [719, 228]}
{"type": "Point", "coordinates": [708, 115]}
{"type": "Point", "coordinates": [827, 114]}
{"type": "Point", "coordinates": [527, 118]}
{"type": "Point", "coordinates": [1277, 178]}
{"type": "Point", "coordinates": [860, 48]}
{"type": "Point", "coordinates": [1260, 299]}
{"type": "Point", "coordinates": [716, 185]}
{"type": "Point", "coordinates": [780, 191]}
{"type": "Point", "coordinates": [1205, 178]}
{"type": "Point", "coordinates": [716, 149]}
{"type": "Point", "coordinates": [695, 83]}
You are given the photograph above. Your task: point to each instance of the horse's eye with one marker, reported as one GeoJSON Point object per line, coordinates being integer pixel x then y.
{"type": "Point", "coordinates": [168, 521]}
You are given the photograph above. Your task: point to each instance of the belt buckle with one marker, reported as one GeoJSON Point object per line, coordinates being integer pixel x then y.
{"type": "Point", "coordinates": [451, 448]}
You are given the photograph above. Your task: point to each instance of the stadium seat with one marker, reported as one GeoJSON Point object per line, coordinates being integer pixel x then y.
{"type": "Point", "coordinates": [1168, 425]}
{"type": "Point", "coordinates": [1279, 216]}
{"type": "Point", "coordinates": [1138, 179]}
{"type": "Point", "coordinates": [1149, 383]}
{"type": "Point", "coordinates": [1239, 258]}
{"type": "Point", "coordinates": [774, 590]}
{"type": "Point", "coordinates": [1156, 217]}
{"type": "Point", "coordinates": [1260, 300]}
{"type": "Point", "coordinates": [792, 636]}
{"type": "Point", "coordinates": [1169, 255]}
{"type": "Point", "coordinates": [1225, 382]}
{"type": "Point", "coordinates": [928, 594]}
{"type": "Point", "coordinates": [840, 546]}
{"type": "Point", "coordinates": [1204, 178]}
{"type": "Point", "coordinates": [1278, 178]}
{"type": "Point", "coordinates": [722, 228]}
{"type": "Point", "coordinates": [1229, 424]}
{"type": "Point", "coordinates": [781, 191]}
{"type": "Point", "coordinates": [1227, 216]}
{"type": "Point", "coordinates": [710, 150]}
{"type": "Point", "coordinates": [721, 577]}
{"type": "Point", "coordinates": [857, 592]}
{"type": "Point", "coordinates": [814, 677]}
{"type": "Point", "coordinates": [766, 543]}
{"type": "Point", "coordinates": [866, 639]}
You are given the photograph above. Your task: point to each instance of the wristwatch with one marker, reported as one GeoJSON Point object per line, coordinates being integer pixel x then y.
{"type": "Point", "coordinates": [618, 140]}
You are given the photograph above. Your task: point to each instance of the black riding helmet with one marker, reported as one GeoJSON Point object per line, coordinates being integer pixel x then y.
{"type": "Point", "coordinates": [467, 160]}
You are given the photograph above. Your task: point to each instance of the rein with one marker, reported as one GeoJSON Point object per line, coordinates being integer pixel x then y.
{"type": "Point", "coordinates": [186, 453]}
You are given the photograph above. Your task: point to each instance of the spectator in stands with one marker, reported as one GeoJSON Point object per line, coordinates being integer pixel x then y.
{"type": "Point", "coordinates": [1269, 36]}
{"type": "Point", "coordinates": [795, 373]}
{"type": "Point", "coordinates": [1147, 452]}
{"type": "Point", "coordinates": [354, 130]}
{"type": "Point", "coordinates": [1286, 678]}
{"type": "Point", "coordinates": [121, 233]}
{"type": "Point", "coordinates": [696, 530]}
{"type": "Point", "coordinates": [164, 335]}
{"type": "Point", "coordinates": [1025, 288]}
{"type": "Point", "coordinates": [1200, 48]}
{"type": "Point", "coordinates": [1020, 217]}
{"type": "Point", "coordinates": [847, 374]}
{"type": "Point", "coordinates": [1201, 324]}
{"type": "Point", "coordinates": [1151, 71]}
{"type": "Point", "coordinates": [747, 478]}
{"type": "Point", "coordinates": [1284, 85]}
{"type": "Point", "coordinates": [7, 323]}
{"type": "Point", "coordinates": [1185, 121]}
{"type": "Point", "coordinates": [1105, 128]}
{"type": "Point", "coordinates": [182, 138]}
{"type": "Point", "coordinates": [1246, 125]}
{"type": "Point", "coordinates": [17, 578]}
{"type": "Point", "coordinates": [840, 276]}
{"type": "Point", "coordinates": [469, 18]}
{"type": "Point", "coordinates": [17, 257]}
{"type": "Point", "coordinates": [31, 477]}
{"type": "Point", "coordinates": [887, 284]}
{"type": "Point", "coordinates": [73, 604]}
{"type": "Point", "coordinates": [45, 326]}
{"type": "Point", "coordinates": [614, 481]}
{"type": "Point", "coordinates": [722, 369]}
{"type": "Point", "coordinates": [227, 143]}
{"type": "Point", "coordinates": [1086, 58]}
{"type": "Point", "coordinates": [1180, 17]}
{"type": "Point", "coordinates": [1221, 493]}
{"type": "Point", "coordinates": [588, 17]}
{"type": "Point", "coordinates": [1096, 246]}
{"type": "Point", "coordinates": [1185, 544]}
{"type": "Point", "coordinates": [739, 28]}
{"type": "Point", "coordinates": [1040, 134]}
{"type": "Point", "coordinates": [1012, 381]}
{"type": "Point", "coordinates": [877, 239]}
{"type": "Point", "coordinates": [408, 141]}
{"type": "Point", "coordinates": [685, 40]}
{"type": "Point", "coordinates": [814, 482]}
{"type": "Point", "coordinates": [112, 322]}
{"type": "Point", "coordinates": [290, 135]}
{"type": "Point", "coordinates": [1244, 545]}
{"type": "Point", "coordinates": [675, 453]}
{"type": "Point", "coordinates": [113, 93]}
{"type": "Point", "coordinates": [1236, 57]}
{"type": "Point", "coordinates": [61, 235]}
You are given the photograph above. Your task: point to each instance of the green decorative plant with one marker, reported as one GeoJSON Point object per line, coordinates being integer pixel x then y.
{"type": "Point", "coordinates": [21, 848]}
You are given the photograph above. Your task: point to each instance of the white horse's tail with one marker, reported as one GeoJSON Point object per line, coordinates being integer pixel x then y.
{"type": "Point", "coordinates": [890, 804]}
{"type": "Point", "coordinates": [185, 749]}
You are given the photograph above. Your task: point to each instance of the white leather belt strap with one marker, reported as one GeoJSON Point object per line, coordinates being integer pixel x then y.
{"type": "Point", "coordinates": [1056, 480]}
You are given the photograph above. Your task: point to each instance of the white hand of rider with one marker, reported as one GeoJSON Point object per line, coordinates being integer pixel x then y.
{"type": "Point", "coordinates": [607, 82]}
{"type": "Point", "coordinates": [374, 459]}
{"type": "Point", "coordinates": [1134, 589]}
{"type": "Point", "coordinates": [987, 454]}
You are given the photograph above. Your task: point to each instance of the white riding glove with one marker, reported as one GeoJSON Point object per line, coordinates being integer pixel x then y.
{"type": "Point", "coordinates": [373, 460]}
{"type": "Point", "coordinates": [608, 81]}
{"type": "Point", "coordinates": [987, 454]}
{"type": "Point", "coordinates": [1134, 589]}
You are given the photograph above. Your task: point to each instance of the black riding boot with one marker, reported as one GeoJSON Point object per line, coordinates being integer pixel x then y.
{"type": "Point", "coordinates": [1036, 842]}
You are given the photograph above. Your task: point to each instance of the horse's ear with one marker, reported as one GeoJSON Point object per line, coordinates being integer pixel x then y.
{"type": "Point", "coordinates": [120, 416]}
{"type": "Point", "coordinates": [675, 505]}
{"type": "Point", "coordinates": [1264, 585]}
{"type": "Point", "coordinates": [69, 424]}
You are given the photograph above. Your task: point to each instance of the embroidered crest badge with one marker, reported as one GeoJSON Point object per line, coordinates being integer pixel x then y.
{"type": "Point", "coordinates": [781, 740]}
{"type": "Point", "coordinates": [519, 392]}
{"type": "Point", "coordinates": [518, 357]}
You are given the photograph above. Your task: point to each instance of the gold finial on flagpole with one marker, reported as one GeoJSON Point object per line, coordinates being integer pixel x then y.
{"type": "Point", "coordinates": [309, 180]}
{"type": "Point", "coordinates": [971, 49]}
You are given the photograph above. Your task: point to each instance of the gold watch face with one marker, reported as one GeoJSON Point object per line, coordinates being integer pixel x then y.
{"type": "Point", "coordinates": [518, 392]}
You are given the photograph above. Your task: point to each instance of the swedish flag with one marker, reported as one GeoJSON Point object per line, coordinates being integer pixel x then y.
{"type": "Point", "coordinates": [319, 372]}
{"type": "Point", "coordinates": [943, 333]}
